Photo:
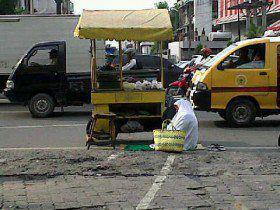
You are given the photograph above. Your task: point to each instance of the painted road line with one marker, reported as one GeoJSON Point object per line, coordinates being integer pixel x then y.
{"type": "Point", "coordinates": [252, 148]}
{"type": "Point", "coordinates": [112, 157]}
{"type": "Point", "coordinates": [149, 197]}
{"type": "Point", "coordinates": [55, 148]}
{"type": "Point", "coordinates": [13, 112]}
{"type": "Point", "coordinates": [41, 126]}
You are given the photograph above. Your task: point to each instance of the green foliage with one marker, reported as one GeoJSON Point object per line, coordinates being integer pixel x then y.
{"type": "Point", "coordinates": [162, 5]}
{"type": "Point", "coordinates": [255, 31]}
{"type": "Point", "coordinates": [20, 11]}
{"type": "Point", "coordinates": [230, 42]}
{"type": "Point", "coordinates": [198, 48]}
{"type": "Point", "coordinates": [8, 7]}
{"type": "Point", "coordinates": [155, 48]}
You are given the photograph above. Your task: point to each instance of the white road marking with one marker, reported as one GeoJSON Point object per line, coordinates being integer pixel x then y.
{"type": "Point", "coordinates": [251, 148]}
{"type": "Point", "coordinates": [55, 148]}
{"type": "Point", "coordinates": [112, 157]}
{"type": "Point", "coordinates": [41, 126]}
{"type": "Point", "coordinates": [15, 112]}
{"type": "Point", "coordinates": [149, 197]}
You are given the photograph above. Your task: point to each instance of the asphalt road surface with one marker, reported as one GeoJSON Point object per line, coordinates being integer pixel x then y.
{"type": "Point", "coordinates": [19, 130]}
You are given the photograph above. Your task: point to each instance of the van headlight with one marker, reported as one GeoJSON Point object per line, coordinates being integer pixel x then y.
{"type": "Point", "coordinates": [10, 84]}
{"type": "Point", "coordinates": [201, 86]}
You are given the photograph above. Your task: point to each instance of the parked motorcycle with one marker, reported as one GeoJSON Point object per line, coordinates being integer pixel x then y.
{"type": "Point", "coordinates": [181, 86]}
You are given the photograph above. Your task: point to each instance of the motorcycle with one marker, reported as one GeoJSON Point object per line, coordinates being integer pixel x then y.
{"type": "Point", "coordinates": [181, 86]}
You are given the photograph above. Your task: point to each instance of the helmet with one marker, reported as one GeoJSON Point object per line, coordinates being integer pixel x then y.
{"type": "Point", "coordinates": [130, 51]}
{"type": "Point", "coordinates": [206, 51]}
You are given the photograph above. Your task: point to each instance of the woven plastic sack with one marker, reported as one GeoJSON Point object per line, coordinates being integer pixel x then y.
{"type": "Point", "coordinates": [169, 140]}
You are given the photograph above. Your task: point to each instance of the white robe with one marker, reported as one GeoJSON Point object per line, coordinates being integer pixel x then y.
{"type": "Point", "coordinates": [185, 120]}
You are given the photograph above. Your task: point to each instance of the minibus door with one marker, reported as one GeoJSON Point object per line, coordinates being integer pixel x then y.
{"type": "Point", "coordinates": [243, 71]}
{"type": "Point", "coordinates": [278, 76]}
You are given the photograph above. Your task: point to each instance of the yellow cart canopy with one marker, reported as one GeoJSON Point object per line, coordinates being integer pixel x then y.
{"type": "Point", "coordinates": [137, 25]}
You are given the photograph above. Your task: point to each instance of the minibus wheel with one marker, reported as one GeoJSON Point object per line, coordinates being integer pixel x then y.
{"type": "Point", "coordinates": [41, 105]}
{"type": "Point", "coordinates": [241, 112]}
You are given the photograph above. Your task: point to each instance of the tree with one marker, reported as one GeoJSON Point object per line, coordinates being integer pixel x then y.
{"type": "Point", "coordinates": [8, 7]}
{"type": "Point", "coordinates": [255, 31]}
{"type": "Point", "coordinates": [174, 16]}
{"type": "Point", "coordinates": [162, 5]}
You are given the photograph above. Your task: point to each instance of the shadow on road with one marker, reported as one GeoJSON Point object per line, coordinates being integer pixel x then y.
{"type": "Point", "coordinates": [71, 114]}
{"type": "Point", "coordinates": [257, 124]}
{"type": "Point", "coordinates": [227, 143]}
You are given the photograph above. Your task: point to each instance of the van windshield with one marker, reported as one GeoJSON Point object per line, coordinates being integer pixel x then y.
{"type": "Point", "coordinates": [221, 54]}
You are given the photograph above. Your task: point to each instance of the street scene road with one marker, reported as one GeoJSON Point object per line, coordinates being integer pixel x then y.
{"type": "Point", "coordinates": [19, 130]}
{"type": "Point", "coordinates": [113, 179]}
{"type": "Point", "coordinates": [129, 105]}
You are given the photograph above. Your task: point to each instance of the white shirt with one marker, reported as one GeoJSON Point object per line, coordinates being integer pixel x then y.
{"type": "Point", "coordinates": [129, 65]}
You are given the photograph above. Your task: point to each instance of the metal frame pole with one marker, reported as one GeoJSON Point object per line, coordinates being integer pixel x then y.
{"type": "Point", "coordinates": [161, 63]}
{"type": "Point", "coordinates": [93, 65]}
{"type": "Point", "coordinates": [238, 19]}
{"type": "Point", "coordinates": [121, 63]}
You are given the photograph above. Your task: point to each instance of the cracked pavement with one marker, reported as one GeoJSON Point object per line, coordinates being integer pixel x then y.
{"type": "Point", "coordinates": [107, 179]}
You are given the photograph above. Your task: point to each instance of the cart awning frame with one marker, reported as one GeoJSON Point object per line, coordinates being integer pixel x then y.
{"type": "Point", "coordinates": [121, 25]}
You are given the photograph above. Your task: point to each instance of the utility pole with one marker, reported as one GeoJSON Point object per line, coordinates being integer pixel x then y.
{"type": "Point", "coordinates": [189, 29]}
{"type": "Point", "coordinates": [255, 17]}
{"type": "Point", "coordinates": [264, 24]}
{"type": "Point", "coordinates": [58, 6]}
{"type": "Point", "coordinates": [248, 19]}
{"type": "Point", "coordinates": [238, 22]}
{"type": "Point", "coordinates": [31, 7]}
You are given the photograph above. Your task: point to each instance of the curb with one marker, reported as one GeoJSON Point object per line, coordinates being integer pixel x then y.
{"type": "Point", "coordinates": [4, 101]}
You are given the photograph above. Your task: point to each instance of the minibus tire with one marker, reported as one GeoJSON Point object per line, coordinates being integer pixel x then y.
{"type": "Point", "coordinates": [237, 108]}
{"type": "Point", "coordinates": [41, 105]}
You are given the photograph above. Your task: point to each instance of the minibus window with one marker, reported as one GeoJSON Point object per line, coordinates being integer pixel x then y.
{"type": "Point", "coordinates": [249, 57]}
{"type": "Point", "coordinates": [221, 54]}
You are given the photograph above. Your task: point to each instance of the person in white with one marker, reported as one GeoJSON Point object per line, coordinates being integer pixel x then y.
{"type": "Point", "coordinates": [131, 60]}
{"type": "Point", "coordinates": [185, 120]}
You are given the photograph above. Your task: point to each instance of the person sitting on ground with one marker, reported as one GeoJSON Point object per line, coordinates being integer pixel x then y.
{"type": "Point", "coordinates": [131, 60]}
{"type": "Point", "coordinates": [185, 120]}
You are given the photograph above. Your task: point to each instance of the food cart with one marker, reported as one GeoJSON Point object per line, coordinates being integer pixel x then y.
{"type": "Point", "coordinates": [109, 97]}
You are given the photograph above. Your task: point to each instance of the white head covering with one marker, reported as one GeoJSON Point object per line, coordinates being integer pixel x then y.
{"type": "Point", "coordinates": [185, 106]}
{"type": "Point", "coordinates": [185, 120]}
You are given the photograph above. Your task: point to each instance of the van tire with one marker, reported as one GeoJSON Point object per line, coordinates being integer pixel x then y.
{"type": "Point", "coordinates": [41, 105]}
{"type": "Point", "coordinates": [241, 112]}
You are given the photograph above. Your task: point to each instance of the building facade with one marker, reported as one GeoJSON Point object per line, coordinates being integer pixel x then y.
{"type": "Point", "coordinates": [46, 6]}
{"type": "Point", "coordinates": [228, 18]}
{"type": "Point", "coordinates": [196, 18]}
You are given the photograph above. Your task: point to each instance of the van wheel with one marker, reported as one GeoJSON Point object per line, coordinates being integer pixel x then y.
{"type": "Point", "coordinates": [41, 105]}
{"type": "Point", "coordinates": [241, 112]}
